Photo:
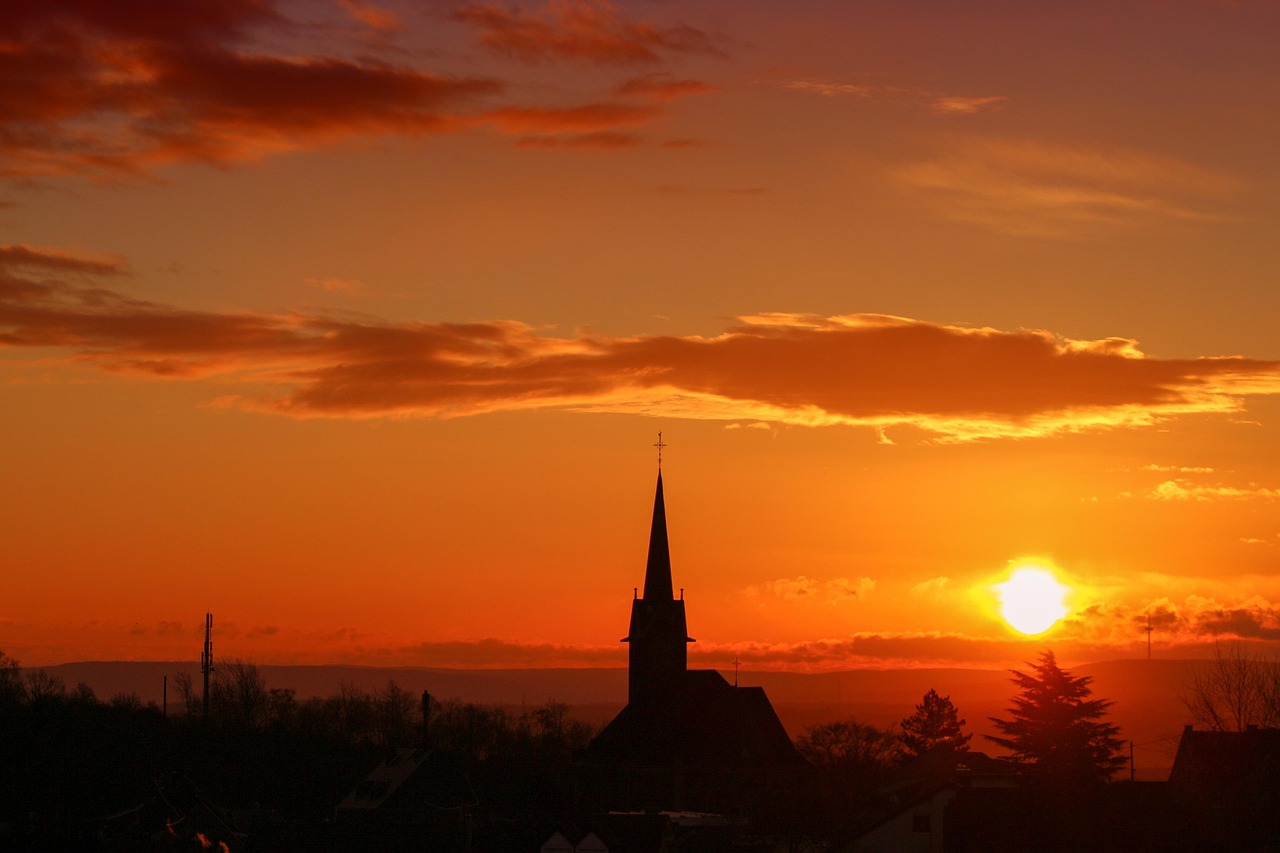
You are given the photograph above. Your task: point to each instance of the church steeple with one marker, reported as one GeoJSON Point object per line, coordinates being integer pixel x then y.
{"type": "Point", "coordinates": [659, 653]}
{"type": "Point", "coordinates": [657, 571]}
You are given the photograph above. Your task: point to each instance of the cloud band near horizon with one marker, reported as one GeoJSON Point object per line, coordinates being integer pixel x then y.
{"type": "Point", "coordinates": [953, 381]}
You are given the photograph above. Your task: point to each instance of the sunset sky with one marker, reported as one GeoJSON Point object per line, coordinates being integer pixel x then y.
{"type": "Point", "coordinates": [354, 324]}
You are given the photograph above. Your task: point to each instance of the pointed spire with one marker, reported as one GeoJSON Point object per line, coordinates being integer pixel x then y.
{"type": "Point", "coordinates": [657, 572]}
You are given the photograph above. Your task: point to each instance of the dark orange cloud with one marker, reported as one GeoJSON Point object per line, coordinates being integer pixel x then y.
{"type": "Point", "coordinates": [600, 141]}
{"type": "Point", "coordinates": [372, 16]}
{"type": "Point", "coordinates": [587, 118]}
{"type": "Point", "coordinates": [22, 257]}
{"type": "Point", "coordinates": [956, 382]}
{"type": "Point", "coordinates": [579, 30]}
{"type": "Point", "coordinates": [112, 89]}
{"type": "Point", "coordinates": [662, 87]}
{"type": "Point", "coordinates": [1254, 618]}
{"type": "Point", "coordinates": [119, 87]}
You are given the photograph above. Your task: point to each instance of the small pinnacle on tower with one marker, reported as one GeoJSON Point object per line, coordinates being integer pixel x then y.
{"type": "Point", "coordinates": [659, 444]}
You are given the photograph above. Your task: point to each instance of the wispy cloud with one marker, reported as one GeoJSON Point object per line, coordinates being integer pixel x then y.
{"type": "Point", "coordinates": [830, 590]}
{"type": "Point", "coordinates": [962, 105]}
{"type": "Point", "coordinates": [338, 285]}
{"type": "Point", "coordinates": [933, 586]}
{"type": "Point", "coordinates": [586, 118]}
{"type": "Point", "coordinates": [663, 87]}
{"type": "Point", "coordinates": [953, 382]}
{"type": "Point", "coordinates": [372, 16]}
{"type": "Point", "coordinates": [579, 30]}
{"type": "Point", "coordinates": [935, 102]}
{"type": "Point", "coordinates": [1045, 190]}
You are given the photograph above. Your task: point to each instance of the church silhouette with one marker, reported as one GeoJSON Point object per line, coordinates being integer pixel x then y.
{"type": "Point", "coordinates": [687, 740]}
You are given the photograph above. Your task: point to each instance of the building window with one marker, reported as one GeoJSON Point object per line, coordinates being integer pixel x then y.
{"type": "Point", "coordinates": [920, 823]}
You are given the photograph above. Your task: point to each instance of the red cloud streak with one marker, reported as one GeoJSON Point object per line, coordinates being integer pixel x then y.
{"type": "Point", "coordinates": [586, 31]}
{"type": "Point", "coordinates": [118, 87]}
{"type": "Point", "coordinates": [957, 382]}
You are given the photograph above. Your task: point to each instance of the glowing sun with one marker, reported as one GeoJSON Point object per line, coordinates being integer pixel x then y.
{"type": "Point", "coordinates": [1031, 600]}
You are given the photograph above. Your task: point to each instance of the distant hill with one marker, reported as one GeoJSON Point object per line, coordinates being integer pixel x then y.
{"type": "Point", "coordinates": [1146, 694]}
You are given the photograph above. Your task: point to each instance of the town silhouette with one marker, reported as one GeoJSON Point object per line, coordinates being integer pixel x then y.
{"type": "Point", "coordinates": [692, 762]}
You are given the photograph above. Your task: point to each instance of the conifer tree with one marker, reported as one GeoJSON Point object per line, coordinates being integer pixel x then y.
{"type": "Point", "coordinates": [1056, 730]}
{"type": "Point", "coordinates": [934, 731]}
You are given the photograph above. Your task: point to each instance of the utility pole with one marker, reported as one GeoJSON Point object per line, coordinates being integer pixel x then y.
{"type": "Point", "coordinates": [206, 659]}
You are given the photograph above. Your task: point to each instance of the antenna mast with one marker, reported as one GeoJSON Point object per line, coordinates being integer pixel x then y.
{"type": "Point", "coordinates": [206, 659]}
{"type": "Point", "coordinates": [1149, 629]}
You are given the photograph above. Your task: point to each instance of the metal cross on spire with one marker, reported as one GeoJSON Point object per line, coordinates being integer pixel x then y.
{"type": "Point", "coordinates": [659, 444]}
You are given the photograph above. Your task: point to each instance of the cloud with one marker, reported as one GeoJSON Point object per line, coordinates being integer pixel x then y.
{"type": "Point", "coordinates": [371, 16]}
{"type": "Point", "coordinates": [831, 591]}
{"type": "Point", "coordinates": [338, 285]}
{"type": "Point", "coordinates": [579, 30]}
{"type": "Point", "coordinates": [939, 104]}
{"type": "Point", "coordinates": [791, 588]}
{"type": "Point", "coordinates": [22, 257]}
{"type": "Point", "coordinates": [497, 653]}
{"type": "Point", "coordinates": [873, 649]}
{"type": "Point", "coordinates": [586, 118]}
{"type": "Point", "coordinates": [115, 89]}
{"type": "Point", "coordinates": [955, 383]}
{"type": "Point", "coordinates": [1034, 189]}
{"type": "Point", "coordinates": [598, 141]}
{"type": "Point", "coordinates": [933, 586]}
{"type": "Point", "coordinates": [1254, 618]}
{"type": "Point", "coordinates": [851, 587]}
{"type": "Point", "coordinates": [1183, 490]}
{"type": "Point", "coordinates": [662, 87]}
{"type": "Point", "coordinates": [833, 90]}
{"type": "Point", "coordinates": [961, 105]}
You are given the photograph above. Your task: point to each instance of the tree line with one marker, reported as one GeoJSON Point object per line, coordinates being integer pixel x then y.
{"type": "Point", "coordinates": [1055, 732]}
{"type": "Point", "coordinates": [69, 761]}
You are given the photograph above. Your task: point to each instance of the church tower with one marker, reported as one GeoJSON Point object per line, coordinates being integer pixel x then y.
{"type": "Point", "coordinates": [659, 633]}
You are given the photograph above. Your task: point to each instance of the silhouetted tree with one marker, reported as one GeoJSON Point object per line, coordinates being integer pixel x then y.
{"type": "Point", "coordinates": [355, 712]}
{"type": "Point", "coordinates": [1237, 690]}
{"type": "Point", "coordinates": [43, 687]}
{"type": "Point", "coordinates": [857, 758]}
{"type": "Point", "coordinates": [238, 693]}
{"type": "Point", "coordinates": [11, 690]}
{"type": "Point", "coordinates": [83, 695]}
{"type": "Point", "coordinates": [282, 706]}
{"type": "Point", "coordinates": [394, 716]}
{"type": "Point", "coordinates": [554, 729]}
{"type": "Point", "coordinates": [1056, 731]}
{"type": "Point", "coordinates": [187, 696]}
{"type": "Point", "coordinates": [934, 732]}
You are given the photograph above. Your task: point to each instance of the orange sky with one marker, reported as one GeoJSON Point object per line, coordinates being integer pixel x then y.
{"type": "Point", "coordinates": [353, 323]}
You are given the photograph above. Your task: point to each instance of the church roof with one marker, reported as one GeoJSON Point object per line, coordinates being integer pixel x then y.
{"type": "Point", "coordinates": [706, 720]}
